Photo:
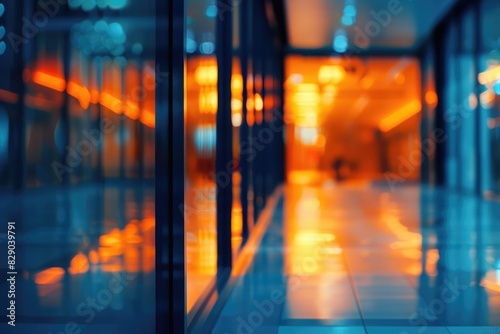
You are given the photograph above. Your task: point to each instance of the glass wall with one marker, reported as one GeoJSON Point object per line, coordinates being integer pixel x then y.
{"type": "Point", "coordinates": [82, 92]}
{"type": "Point", "coordinates": [77, 121]}
{"type": "Point", "coordinates": [254, 137]}
{"type": "Point", "coordinates": [429, 124]}
{"type": "Point", "coordinates": [489, 80]}
{"type": "Point", "coordinates": [88, 79]}
{"type": "Point", "coordinates": [467, 48]}
{"type": "Point", "coordinates": [237, 120]}
{"type": "Point", "coordinates": [200, 189]}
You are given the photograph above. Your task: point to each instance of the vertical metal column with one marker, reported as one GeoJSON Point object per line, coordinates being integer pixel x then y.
{"type": "Point", "coordinates": [65, 117]}
{"type": "Point", "coordinates": [224, 143]}
{"type": "Point", "coordinates": [140, 127]}
{"type": "Point", "coordinates": [244, 129]}
{"type": "Point", "coordinates": [169, 167]}
{"type": "Point", "coordinates": [259, 20]}
{"type": "Point", "coordinates": [440, 123]}
{"type": "Point", "coordinates": [476, 7]}
{"type": "Point", "coordinates": [17, 128]}
{"type": "Point", "coordinates": [98, 68]}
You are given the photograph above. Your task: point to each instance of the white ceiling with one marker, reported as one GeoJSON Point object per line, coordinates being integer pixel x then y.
{"type": "Point", "coordinates": [312, 23]}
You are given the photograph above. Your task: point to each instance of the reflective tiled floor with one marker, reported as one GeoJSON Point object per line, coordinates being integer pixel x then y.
{"type": "Point", "coordinates": [368, 259]}
{"type": "Point", "coordinates": [85, 259]}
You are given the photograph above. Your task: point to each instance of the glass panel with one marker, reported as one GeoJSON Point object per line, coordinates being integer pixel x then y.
{"type": "Point", "coordinates": [467, 103]}
{"type": "Point", "coordinates": [450, 107]}
{"type": "Point", "coordinates": [489, 78]}
{"type": "Point", "coordinates": [237, 119]}
{"type": "Point", "coordinates": [431, 136]}
{"type": "Point", "coordinates": [88, 252]}
{"type": "Point", "coordinates": [200, 189]}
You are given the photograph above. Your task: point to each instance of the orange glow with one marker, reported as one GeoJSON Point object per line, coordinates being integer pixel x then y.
{"type": "Point", "coordinates": [148, 118]}
{"type": "Point", "coordinates": [431, 99]}
{"type": "Point", "coordinates": [121, 249]}
{"type": "Point", "coordinates": [367, 82]}
{"type": "Point", "coordinates": [113, 238]}
{"type": "Point", "coordinates": [487, 99]}
{"type": "Point", "coordinates": [8, 97]}
{"type": "Point", "coordinates": [407, 239]}
{"type": "Point", "coordinates": [237, 119]}
{"type": "Point", "coordinates": [206, 75]}
{"type": "Point", "coordinates": [331, 74]}
{"type": "Point", "coordinates": [132, 110]}
{"type": "Point", "coordinates": [49, 81]}
{"type": "Point", "coordinates": [79, 264]}
{"type": "Point", "coordinates": [305, 107]}
{"type": "Point", "coordinates": [93, 257]}
{"type": "Point", "coordinates": [131, 233]}
{"type": "Point", "coordinates": [306, 98]}
{"type": "Point", "coordinates": [313, 237]}
{"type": "Point", "coordinates": [237, 83]}
{"type": "Point", "coordinates": [81, 93]}
{"type": "Point", "coordinates": [491, 286]}
{"type": "Point", "coordinates": [132, 259]}
{"type": "Point", "coordinates": [403, 114]}
{"type": "Point", "coordinates": [489, 75]}
{"type": "Point", "coordinates": [95, 97]}
{"type": "Point", "coordinates": [212, 101]}
{"type": "Point", "coordinates": [49, 276]}
{"type": "Point", "coordinates": [236, 105]}
{"type": "Point", "coordinates": [472, 101]}
{"type": "Point", "coordinates": [400, 79]}
{"type": "Point", "coordinates": [112, 103]}
{"type": "Point", "coordinates": [259, 103]}
{"type": "Point", "coordinates": [250, 104]}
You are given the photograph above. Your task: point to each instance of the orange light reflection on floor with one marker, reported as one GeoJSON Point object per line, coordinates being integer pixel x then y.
{"type": "Point", "coordinates": [79, 264]}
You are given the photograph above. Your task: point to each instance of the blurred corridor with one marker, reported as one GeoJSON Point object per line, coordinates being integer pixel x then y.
{"type": "Point", "coordinates": [365, 259]}
{"type": "Point", "coordinates": [249, 166]}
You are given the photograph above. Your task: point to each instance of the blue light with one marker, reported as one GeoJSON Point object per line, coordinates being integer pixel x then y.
{"type": "Point", "coordinates": [4, 136]}
{"type": "Point", "coordinates": [207, 48]}
{"type": "Point", "coordinates": [211, 11]}
{"type": "Point", "coordinates": [496, 87]}
{"type": "Point", "coordinates": [117, 4]}
{"type": "Point", "coordinates": [89, 5]}
{"type": "Point", "coordinates": [340, 41]}
{"type": "Point", "coordinates": [3, 46]}
{"type": "Point", "coordinates": [348, 20]}
{"type": "Point", "coordinates": [74, 4]}
{"type": "Point", "coordinates": [102, 4]}
{"type": "Point", "coordinates": [115, 29]}
{"type": "Point", "coordinates": [191, 45]}
{"type": "Point", "coordinates": [100, 26]}
{"type": "Point", "coordinates": [350, 10]}
{"type": "Point", "coordinates": [137, 48]}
